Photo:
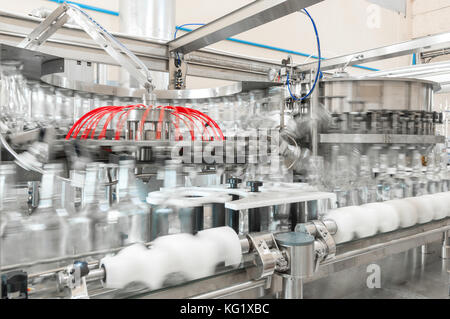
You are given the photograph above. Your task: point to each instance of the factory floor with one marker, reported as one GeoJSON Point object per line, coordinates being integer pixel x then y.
{"type": "Point", "coordinates": [408, 275]}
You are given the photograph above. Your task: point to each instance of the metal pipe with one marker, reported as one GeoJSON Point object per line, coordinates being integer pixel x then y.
{"type": "Point", "coordinates": [445, 252]}
{"type": "Point", "coordinates": [375, 247]}
{"type": "Point", "coordinates": [96, 274]}
{"type": "Point", "coordinates": [61, 259]}
{"type": "Point", "coordinates": [313, 106]}
{"type": "Point", "coordinates": [292, 288]}
{"type": "Point", "coordinates": [93, 265]}
{"type": "Point", "coordinates": [221, 293]}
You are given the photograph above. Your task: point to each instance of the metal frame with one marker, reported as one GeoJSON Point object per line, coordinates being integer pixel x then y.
{"type": "Point", "coordinates": [238, 283]}
{"type": "Point", "coordinates": [243, 19]}
{"type": "Point", "coordinates": [380, 139]}
{"type": "Point", "coordinates": [103, 38]}
{"type": "Point", "coordinates": [72, 43]}
{"type": "Point", "coordinates": [432, 42]}
{"type": "Point", "coordinates": [351, 254]}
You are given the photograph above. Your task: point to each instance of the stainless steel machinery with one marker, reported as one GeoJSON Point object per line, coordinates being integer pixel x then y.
{"type": "Point", "coordinates": [286, 184]}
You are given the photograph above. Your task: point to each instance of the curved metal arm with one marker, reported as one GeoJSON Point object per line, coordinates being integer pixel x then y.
{"type": "Point", "coordinates": [102, 37]}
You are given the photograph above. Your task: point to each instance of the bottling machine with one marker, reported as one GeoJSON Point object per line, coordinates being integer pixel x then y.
{"type": "Point", "coordinates": [290, 183]}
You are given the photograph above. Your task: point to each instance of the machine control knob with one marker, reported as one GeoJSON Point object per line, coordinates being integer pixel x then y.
{"type": "Point", "coordinates": [233, 181]}
{"type": "Point", "coordinates": [254, 186]}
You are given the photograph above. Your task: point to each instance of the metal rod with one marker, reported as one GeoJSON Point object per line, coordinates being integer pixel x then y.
{"type": "Point", "coordinates": [221, 293]}
{"type": "Point", "coordinates": [65, 258]}
{"type": "Point", "coordinates": [445, 251]}
{"type": "Point", "coordinates": [372, 248]}
{"type": "Point", "coordinates": [391, 51]}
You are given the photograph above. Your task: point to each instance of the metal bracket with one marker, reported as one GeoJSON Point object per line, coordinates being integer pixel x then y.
{"type": "Point", "coordinates": [177, 71]}
{"type": "Point", "coordinates": [324, 236]}
{"type": "Point", "coordinates": [74, 278]}
{"type": "Point", "coordinates": [103, 38]}
{"type": "Point", "coordinates": [352, 58]}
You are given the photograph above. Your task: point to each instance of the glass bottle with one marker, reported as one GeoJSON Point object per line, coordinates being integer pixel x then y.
{"type": "Point", "coordinates": [64, 106]}
{"type": "Point", "coordinates": [432, 176]}
{"type": "Point", "coordinates": [47, 226]}
{"type": "Point", "coordinates": [108, 227]}
{"type": "Point", "coordinates": [353, 175]}
{"type": "Point", "coordinates": [316, 180]}
{"type": "Point", "coordinates": [384, 180]}
{"type": "Point", "coordinates": [257, 101]}
{"type": "Point", "coordinates": [403, 186]}
{"type": "Point", "coordinates": [13, 235]}
{"type": "Point", "coordinates": [226, 115]}
{"type": "Point", "coordinates": [38, 103]}
{"type": "Point", "coordinates": [82, 104]}
{"type": "Point", "coordinates": [47, 100]}
{"type": "Point", "coordinates": [137, 212]}
{"type": "Point", "coordinates": [340, 184]}
{"type": "Point", "coordinates": [443, 173]}
{"type": "Point", "coordinates": [14, 100]}
{"type": "Point", "coordinates": [365, 184]}
{"type": "Point", "coordinates": [80, 232]}
{"type": "Point", "coordinates": [417, 176]}
{"type": "Point", "coordinates": [243, 108]}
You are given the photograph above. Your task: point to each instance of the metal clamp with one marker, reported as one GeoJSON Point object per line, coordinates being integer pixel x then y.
{"type": "Point", "coordinates": [268, 258]}
{"type": "Point", "coordinates": [325, 246]}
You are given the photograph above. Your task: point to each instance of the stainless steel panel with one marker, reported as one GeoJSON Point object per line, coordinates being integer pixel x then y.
{"type": "Point", "coordinates": [71, 82]}
{"type": "Point", "coordinates": [340, 95]}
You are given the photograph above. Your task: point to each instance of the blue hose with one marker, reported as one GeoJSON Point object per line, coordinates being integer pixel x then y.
{"type": "Point", "coordinates": [319, 62]}
{"type": "Point", "coordinates": [319, 58]}
{"type": "Point", "coordinates": [184, 25]}
{"type": "Point", "coordinates": [88, 7]}
{"type": "Point", "coordinates": [175, 36]}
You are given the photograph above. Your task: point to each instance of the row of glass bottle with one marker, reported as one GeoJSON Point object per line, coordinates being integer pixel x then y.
{"type": "Point", "coordinates": [27, 102]}
{"type": "Point", "coordinates": [56, 229]}
{"type": "Point", "coordinates": [380, 176]}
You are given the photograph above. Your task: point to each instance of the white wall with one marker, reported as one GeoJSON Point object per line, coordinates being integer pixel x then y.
{"type": "Point", "coordinates": [26, 6]}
